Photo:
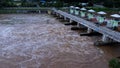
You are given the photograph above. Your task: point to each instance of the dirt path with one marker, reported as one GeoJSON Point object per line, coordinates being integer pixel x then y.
{"type": "Point", "coordinates": [41, 41]}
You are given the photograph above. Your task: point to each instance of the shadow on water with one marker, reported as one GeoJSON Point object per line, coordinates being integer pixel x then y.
{"type": "Point", "coordinates": [111, 51]}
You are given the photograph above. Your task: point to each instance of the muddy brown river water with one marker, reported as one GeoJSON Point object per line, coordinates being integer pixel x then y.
{"type": "Point", "coordinates": [41, 41]}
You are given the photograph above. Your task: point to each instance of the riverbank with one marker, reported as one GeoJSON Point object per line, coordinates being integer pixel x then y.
{"type": "Point", "coordinates": [19, 10]}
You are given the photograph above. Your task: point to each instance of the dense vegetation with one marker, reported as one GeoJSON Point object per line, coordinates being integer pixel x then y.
{"type": "Point", "coordinates": [114, 63]}
{"type": "Point", "coordinates": [106, 3]}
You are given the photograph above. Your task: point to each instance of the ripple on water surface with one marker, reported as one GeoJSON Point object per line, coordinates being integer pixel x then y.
{"type": "Point", "coordinates": [39, 44]}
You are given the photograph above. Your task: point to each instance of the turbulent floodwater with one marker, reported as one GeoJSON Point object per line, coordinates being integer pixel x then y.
{"type": "Point", "coordinates": [41, 41]}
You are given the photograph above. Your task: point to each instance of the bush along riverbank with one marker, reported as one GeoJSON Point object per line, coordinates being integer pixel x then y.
{"type": "Point", "coordinates": [114, 63]}
{"type": "Point", "coordinates": [10, 10]}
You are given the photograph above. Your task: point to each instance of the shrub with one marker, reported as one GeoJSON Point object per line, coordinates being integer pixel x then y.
{"type": "Point", "coordinates": [114, 63]}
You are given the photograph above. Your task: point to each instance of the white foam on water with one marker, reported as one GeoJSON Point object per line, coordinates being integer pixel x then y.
{"type": "Point", "coordinates": [5, 20]}
{"type": "Point", "coordinates": [6, 32]}
{"type": "Point", "coordinates": [45, 44]}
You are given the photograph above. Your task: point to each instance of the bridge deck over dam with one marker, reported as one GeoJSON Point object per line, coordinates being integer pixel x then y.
{"type": "Point", "coordinates": [106, 32]}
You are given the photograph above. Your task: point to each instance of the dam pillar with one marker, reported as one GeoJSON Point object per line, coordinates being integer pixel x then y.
{"type": "Point", "coordinates": [89, 30]}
